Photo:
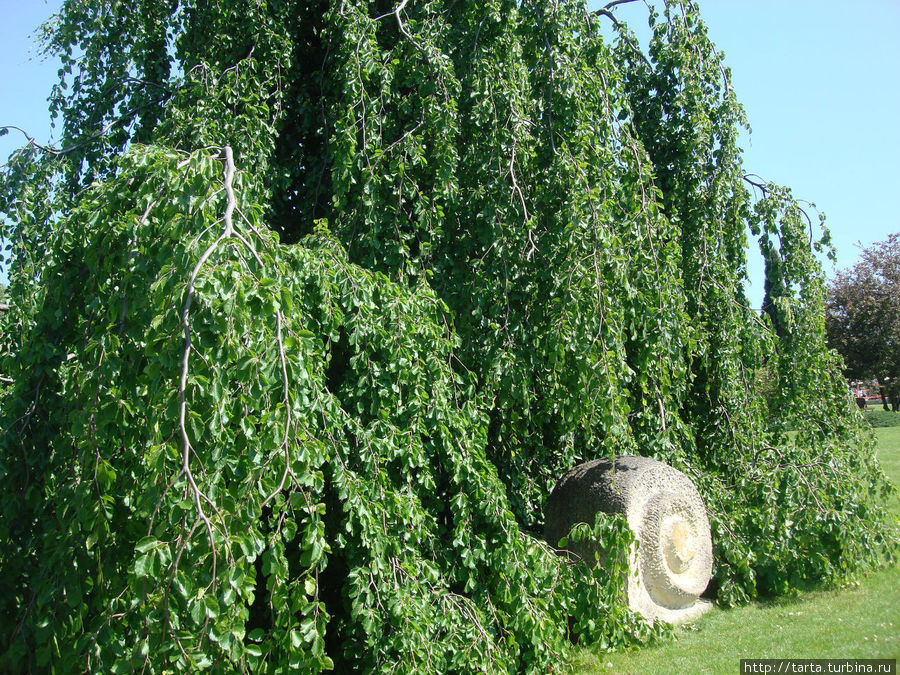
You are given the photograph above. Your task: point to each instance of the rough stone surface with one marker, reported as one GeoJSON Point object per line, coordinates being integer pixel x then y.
{"type": "Point", "coordinates": [672, 564]}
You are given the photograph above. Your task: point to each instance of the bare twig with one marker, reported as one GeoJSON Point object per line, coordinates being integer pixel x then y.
{"type": "Point", "coordinates": [762, 187]}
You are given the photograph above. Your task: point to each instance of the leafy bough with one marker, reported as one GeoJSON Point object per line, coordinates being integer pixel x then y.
{"type": "Point", "coordinates": [310, 426]}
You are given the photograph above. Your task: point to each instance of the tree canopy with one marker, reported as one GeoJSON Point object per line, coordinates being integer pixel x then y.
{"type": "Point", "coordinates": [317, 299]}
{"type": "Point", "coordinates": [862, 313]}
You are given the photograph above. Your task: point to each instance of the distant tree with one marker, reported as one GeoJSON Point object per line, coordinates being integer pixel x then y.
{"type": "Point", "coordinates": [862, 314]}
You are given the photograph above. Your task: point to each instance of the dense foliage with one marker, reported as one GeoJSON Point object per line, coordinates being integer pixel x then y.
{"type": "Point", "coordinates": [319, 299]}
{"type": "Point", "coordinates": [862, 313]}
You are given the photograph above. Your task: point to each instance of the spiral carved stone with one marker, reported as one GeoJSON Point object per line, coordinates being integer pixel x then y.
{"type": "Point", "coordinates": [672, 564]}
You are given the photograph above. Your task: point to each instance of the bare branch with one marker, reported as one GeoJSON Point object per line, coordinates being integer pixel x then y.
{"type": "Point", "coordinates": [56, 152]}
{"type": "Point", "coordinates": [606, 10]}
{"type": "Point", "coordinates": [403, 30]}
{"type": "Point", "coordinates": [614, 3]}
{"type": "Point", "coordinates": [401, 25]}
{"type": "Point", "coordinates": [763, 187]}
{"type": "Point", "coordinates": [609, 15]}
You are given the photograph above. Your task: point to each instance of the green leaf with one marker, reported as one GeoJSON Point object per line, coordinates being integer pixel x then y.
{"type": "Point", "coordinates": [143, 565]}
{"type": "Point", "coordinates": [146, 544]}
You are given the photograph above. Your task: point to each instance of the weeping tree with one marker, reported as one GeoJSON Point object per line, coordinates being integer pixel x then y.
{"type": "Point", "coordinates": [316, 300]}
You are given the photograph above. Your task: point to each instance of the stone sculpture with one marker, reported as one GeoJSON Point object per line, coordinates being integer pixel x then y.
{"type": "Point", "coordinates": [672, 563]}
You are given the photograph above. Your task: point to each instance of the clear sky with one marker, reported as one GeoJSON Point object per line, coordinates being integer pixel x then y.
{"type": "Point", "coordinates": [819, 79]}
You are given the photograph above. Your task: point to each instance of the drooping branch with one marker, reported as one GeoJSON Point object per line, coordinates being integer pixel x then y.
{"type": "Point", "coordinates": [4, 307]}
{"type": "Point", "coordinates": [762, 187]}
{"type": "Point", "coordinates": [606, 10]}
{"type": "Point", "coordinates": [610, 5]}
{"type": "Point", "coordinates": [620, 27]}
{"type": "Point", "coordinates": [198, 496]}
{"type": "Point", "coordinates": [57, 152]}
{"type": "Point", "coordinates": [229, 232]}
{"type": "Point", "coordinates": [767, 187]}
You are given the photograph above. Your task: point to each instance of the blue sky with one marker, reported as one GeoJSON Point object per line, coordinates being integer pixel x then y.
{"type": "Point", "coordinates": [819, 79]}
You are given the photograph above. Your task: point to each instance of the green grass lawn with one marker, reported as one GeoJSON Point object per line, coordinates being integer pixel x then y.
{"type": "Point", "coordinates": [862, 621]}
{"type": "Point", "coordinates": [889, 456]}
